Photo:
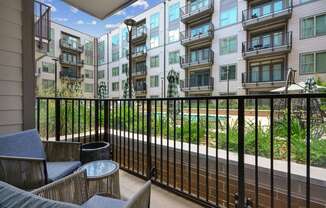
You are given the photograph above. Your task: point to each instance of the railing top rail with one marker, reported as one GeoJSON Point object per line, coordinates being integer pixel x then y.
{"type": "Point", "coordinates": [185, 8]}
{"type": "Point", "coordinates": [222, 97]}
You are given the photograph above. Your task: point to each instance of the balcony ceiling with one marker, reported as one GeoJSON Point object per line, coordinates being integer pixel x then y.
{"type": "Point", "coordinates": [100, 8]}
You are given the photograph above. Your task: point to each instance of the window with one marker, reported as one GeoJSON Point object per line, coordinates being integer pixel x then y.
{"type": "Point", "coordinates": [228, 72]}
{"type": "Point", "coordinates": [101, 74]}
{"type": "Point", "coordinates": [202, 54]}
{"type": "Point", "coordinates": [47, 84]}
{"type": "Point", "coordinates": [124, 42]}
{"type": "Point", "coordinates": [200, 30]}
{"type": "Point", "coordinates": [89, 74]}
{"type": "Point", "coordinates": [89, 53]}
{"type": "Point", "coordinates": [154, 21]}
{"type": "Point", "coordinates": [229, 12]}
{"type": "Point", "coordinates": [266, 71]}
{"type": "Point", "coordinates": [228, 45]}
{"type": "Point", "coordinates": [47, 67]}
{"type": "Point", "coordinates": [115, 71]}
{"type": "Point", "coordinates": [313, 62]}
{"type": "Point", "coordinates": [174, 57]}
{"type": "Point", "coordinates": [100, 51]}
{"type": "Point", "coordinates": [154, 61]}
{"type": "Point", "coordinates": [124, 68]}
{"type": "Point", "coordinates": [313, 26]}
{"type": "Point", "coordinates": [154, 81]}
{"type": "Point", "coordinates": [154, 41]}
{"type": "Point", "coordinates": [173, 35]}
{"type": "Point", "coordinates": [115, 86]}
{"type": "Point", "coordinates": [69, 58]}
{"type": "Point", "coordinates": [174, 12]}
{"type": "Point", "coordinates": [52, 46]}
{"type": "Point", "coordinates": [88, 88]}
{"type": "Point", "coordinates": [115, 47]}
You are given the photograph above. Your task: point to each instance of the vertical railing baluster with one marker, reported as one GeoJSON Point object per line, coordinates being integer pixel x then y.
{"type": "Point", "coordinates": [38, 113]}
{"type": "Point", "coordinates": [90, 120]}
{"type": "Point", "coordinates": [189, 146]}
{"type": "Point", "coordinates": [227, 152]}
{"type": "Point", "coordinates": [149, 140]}
{"type": "Point", "coordinates": [289, 152]}
{"type": "Point", "coordinates": [256, 153]}
{"type": "Point", "coordinates": [106, 120]}
{"type": "Point", "coordinates": [124, 133]}
{"type": "Point", "coordinates": [155, 137]}
{"type": "Point", "coordinates": [72, 119]}
{"type": "Point", "coordinates": [133, 135]}
{"type": "Point", "coordinates": [198, 142]}
{"type": "Point", "coordinates": [308, 155]}
{"type": "Point", "coordinates": [174, 144]}
{"type": "Point", "coordinates": [161, 145]}
{"type": "Point", "coordinates": [128, 134]}
{"type": "Point", "coordinates": [241, 137]}
{"type": "Point", "coordinates": [216, 152]}
{"type": "Point", "coordinates": [78, 120]}
{"type": "Point", "coordinates": [120, 126]}
{"type": "Point", "coordinates": [96, 118]}
{"type": "Point", "coordinates": [57, 119]}
{"type": "Point", "coordinates": [138, 136]}
{"type": "Point", "coordinates": [47, 119]}
{"type": "Point", "coordinates": [181, 163]}
{"type": "Point", "coordinates": [207, 143]}
{"type": "Point", "coordinates": [143, 139]}
{"type": "Point", "coordinates": [167, 142]}
{"type": "Point", "coordinates": [85, 121]}
{"type": "Point", "coordinates": [272, 152]}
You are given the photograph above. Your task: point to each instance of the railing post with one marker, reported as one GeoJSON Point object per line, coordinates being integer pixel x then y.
{"type": "Point", "coordinates": [106, 120]}
{"type": "Point", "coordinates": [149, 145]}
{"type": "Point", "coordinates": [241, 125]}
{"type": "Point", "coordinates": [57, 119]}
{"type": "Point", "coordinates": [96, 119]}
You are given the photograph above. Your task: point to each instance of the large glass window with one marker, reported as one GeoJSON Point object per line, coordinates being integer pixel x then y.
{"type": "Point", "coordinates": [115, 47]}
{"type": "Point", "coordinates": [154, 21]}
{"type": "Point", "coordinates": [174, 57]}
{"type": "Point", "coordinates": [202, 54]}
{"type": "Point", "coordinates": [154, 61]}
{"type": "Point", "coordinates": [124, 42]}
{"type": "Point", "coordinates": [115, 71]}
{"type": "Point", "coordinates": [89, 53]}
{"type": "Point", "coordinates": [47, 67]}
{"type": "Point", "coordinates": [199, 78]}
{"type": "Point", "coordinates": [266, 71]}
{"type": "Point", "coordinates": [173, 35]}
{"type": "Point", "coordinates": [52, 43]}
{"type": "Point", "coordinates": [47, 84]}
{"type": "Point", "coordinates": [174, 12]}
{"type": "Point", "coordinates": [101, 52]}
{"type": "Point", "coordinates": [200, 30]}
{"type": "Point", "coordinates": [228, 45]}
{"type": "Point", "coordinates": [115, 86]}
{"type": "Point", "coordinates": [101, 74]}
{"type": "Point", "coordinates": [88, 87]}
{"type": "Point", "coordinates": [89, 74]}
{"type": "Point", "coordinates": [154, 41]}
{"type": "Point", "coordinates": [314, 62]}
{"type": "Point", "coordinates": [313, 26]}
{"type": "Point", "coordinates": [228, 12]}
{"type": "Point", "coordinates": [154, 81]}
{"type": "Point", "coordinates": [198, 4]}
{"type": "Point", "coordinates": [228, 72]}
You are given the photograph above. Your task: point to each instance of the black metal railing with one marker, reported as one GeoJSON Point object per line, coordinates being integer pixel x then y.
{"type": "Point", "coordinates": [197, 83]}
{"type": "Point", "coordinates": [42, 22]}
{"type": "Point", "coordinates": [139, 51]}
{"type": "Point", "coordinates": [72, 74]}
{"type": "Point", "coordinates": [258, 12]}
{"type": "Point", "coordinates": [264, 76]}
{"type": "Point", "coordinates": [139, 31]}
{"type": "Point", "coordinates": [72, 45]}
{"type": "Point", "coordinates": [188, 35]}
{"type": "Point", "coordinates": [268, 43]}
{"type": "Point", "coordinates": [207, 149]}
{"type": "Point", "coordinates": [196, 7]}
{"type": "Point", "coordinates": [205, 56]}
{"type": "Point", "coordinates": [140, 70]}
{"type": "Point", "coordinates": [77, 62]}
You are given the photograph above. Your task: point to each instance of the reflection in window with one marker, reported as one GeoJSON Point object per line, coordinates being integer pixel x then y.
{"type": "Point", "coordinates": [229, 12]}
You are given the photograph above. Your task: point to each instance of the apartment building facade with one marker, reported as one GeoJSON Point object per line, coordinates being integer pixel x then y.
{"type": "Point", "coordinates": [75, 53]}
{"type": "Point", "coordinates": [219, 46]}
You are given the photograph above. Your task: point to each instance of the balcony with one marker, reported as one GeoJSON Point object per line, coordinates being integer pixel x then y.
{"type": "Point", "coordinates": [66, 62]}
{"type": "Point", "coordinates": [140, 89]}
{"type": "Point", "coordinates": [197, 11]}
{"type": "Point", "coordinates": [265, 14]}
{"type": "Point", "coordinates": [263, 79]}
{"type": "Point", "coordinates": [188, 38]}
{"type": "Point", "coordinates": [266, 47]}
{"type": "Point", "coordinates": [42, 26]}
{"type": "Point", "coordinates": [139, 53]}
{"type": "Point", "coordinates": [196, 84]}
{"type": "Point", "coordinates": [201, 60]}
{"type": "Point", "coordinates": [139, 71]}
{"type": "Point", "coordinates": [71, 45]}
{"type": "Point", "coordinates": [139, 34]}
{"type": "Point", "coordinates": [71, 75]}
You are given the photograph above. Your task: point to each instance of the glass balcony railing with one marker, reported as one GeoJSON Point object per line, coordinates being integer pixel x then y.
{"type": "Point", "coordinates": [71, 45]}
{"type": "Point", "coordinates": [195, 8]}
{"type": "Point", "coordinates": [196, 83]}
{"type": "Point", "coordinates": [195, 58]}
{"type": "Point", "coordinates": [192, 35]}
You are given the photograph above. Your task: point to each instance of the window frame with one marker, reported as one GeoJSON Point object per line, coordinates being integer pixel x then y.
{"type": "Point", "coordinates": [228, 47]}
{"type": "Point", "coordinates": [228, 65]}
{"type": "Point", "coordinates": [314, 60]}
{"type": "Point", "coordinates": [314, 26]}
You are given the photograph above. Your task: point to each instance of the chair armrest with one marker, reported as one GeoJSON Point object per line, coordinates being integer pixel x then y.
{"type": "Point", "coordinates": [62, 151]}
{"type": "Point", "coordinates": [71, 189]}
{"type": "Point", "coordinates": [25, 173]}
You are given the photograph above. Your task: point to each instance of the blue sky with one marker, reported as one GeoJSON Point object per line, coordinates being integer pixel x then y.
{"type": "Point", "coordinates": [76, 19]}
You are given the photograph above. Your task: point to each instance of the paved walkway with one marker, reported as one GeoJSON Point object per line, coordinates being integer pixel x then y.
{"type": "Point", "coordinates": [160, 198]}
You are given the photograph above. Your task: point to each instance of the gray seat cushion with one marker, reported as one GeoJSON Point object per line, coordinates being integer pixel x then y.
{"type": "Point", "coordinates": [12, 197]}
{"type": "Point", "coordinates": [22, 144]}
{"type": "Point", "coordinates": [103, 202]}
{"type": "Point", "coordinates": [57, 170]}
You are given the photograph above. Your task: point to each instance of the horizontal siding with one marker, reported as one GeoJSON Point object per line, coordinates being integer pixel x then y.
{"type": "Point", "coordinates": [11, 117]}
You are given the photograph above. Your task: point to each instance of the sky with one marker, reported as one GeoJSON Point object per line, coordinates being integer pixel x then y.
{"type": "Point", "coordinates": [67, 15]}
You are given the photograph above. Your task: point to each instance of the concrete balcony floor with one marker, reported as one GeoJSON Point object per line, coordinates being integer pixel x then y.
{"type": "Point", "coordinates": [160, 198]}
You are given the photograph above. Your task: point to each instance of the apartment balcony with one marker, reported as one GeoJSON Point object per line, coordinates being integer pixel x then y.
{"type": "Point", "coordinates": [139, 71]}
{"type": "Point", "coordinates": [140, 90]}
{"type": "Point", "coordinates": [197, 85]}
{"type": "Point", "coordinates": [189, 39]}
{"type": "Point", "coordinates": [266, 14]}
{"type": "Point", "coordinates": [139, 34]}
{"type": "Point", "coordinates": [71, 45]}
{"type": "Point", "coordinates": [42, 26]}
{"type": "Point", "coordinates": [139, 53]}
{"type": "Point", "coordinates": [66, 62]}
{"type": "Point", "coordinates": [71, 75]}
{"type": "Point", "coordinates": [197, 11]}
{"type": "Point", "coordinates": [207, 59]}
{"type": "Point", "coordinates": [263, 79]}
{"type": "Point", "coordinates": [262, 48]}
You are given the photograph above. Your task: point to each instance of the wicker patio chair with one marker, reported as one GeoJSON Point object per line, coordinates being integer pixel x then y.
{"type": "Point", "coordinates": [28, 163]}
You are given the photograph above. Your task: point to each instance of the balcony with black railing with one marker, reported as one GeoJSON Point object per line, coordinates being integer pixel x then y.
{"type": "Point", "coordinates": [191, 37]}
{"type": "Point", "coordinates": [139, 34]}
{"type": "Point", "coordinates": [280, 43]}
{"type": "Point", "coordinates": [204, 57]}
{"type": "Point", "coordinates": [71, 45]}
{"type": "Point", "coordinates": [139, 52]}
{"type": "Point", "coordinates": [197, 10]}
{"type": "Point", "coordinates": [139, 70]}
{"type": "Point", "coordinates": [272, 11]}
{"type": "Point", "coordinates": [73, 62]}
{"type": "Point", "coordinates": [197, 84]}
{"type": "Point", "coordinates": [140, 88]}
{"type": "Point", "coordinates": [264, 78]}
{"type": "Point", "coordinates": [71, 74]}
{"type": "Point", "coordinates": [42, 25]}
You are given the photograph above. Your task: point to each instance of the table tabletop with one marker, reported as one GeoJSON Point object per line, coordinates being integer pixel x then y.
{"type": "Point", "coordinates": [100, 168]}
